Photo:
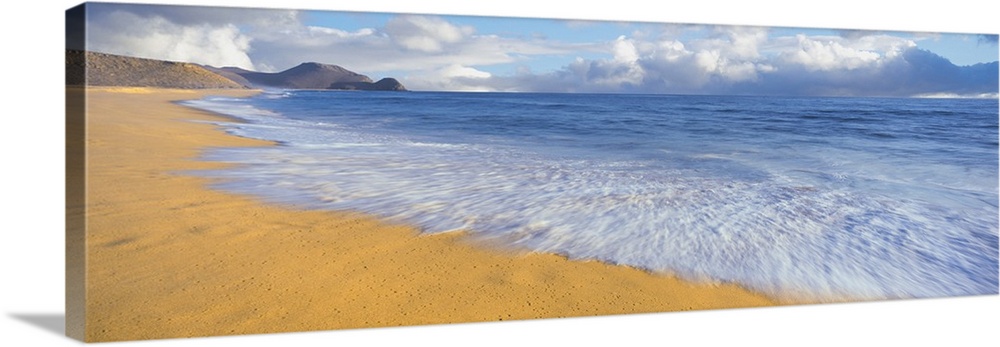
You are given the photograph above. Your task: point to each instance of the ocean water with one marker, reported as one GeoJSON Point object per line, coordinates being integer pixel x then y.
{"type": "Point", "coordinates": [804, 198]}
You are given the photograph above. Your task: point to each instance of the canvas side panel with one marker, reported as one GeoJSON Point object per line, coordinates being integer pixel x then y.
{"type": "Point", "coordinates": [75, 174]}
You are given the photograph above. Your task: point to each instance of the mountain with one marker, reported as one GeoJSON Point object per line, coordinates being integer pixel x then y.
{"type": "Point", "coordinates": [385, 84]}
{"type": "Point", "coordinates": [100, 69]}
{"type": "Point", "coordinates": [303, 76]}
{"type": "Point", "coordinates": [232, 73]}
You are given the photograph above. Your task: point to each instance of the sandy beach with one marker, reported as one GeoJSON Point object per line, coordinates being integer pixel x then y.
{"type": "Point", "coordinates": [167, 257]}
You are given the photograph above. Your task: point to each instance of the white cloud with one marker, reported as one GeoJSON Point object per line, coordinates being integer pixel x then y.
{"type": "Point", "coordinates": [452, 77]}
{"type": "Point", "coordinates": [456, 70]}
{"type": "Point", "coordinates": [625, 65]}
{"type": "Point", "coordinates": [669, 50]}
{"type": "Point", "coordinates": [882, 43]}
{"type": "Point", "coordinates": [318, 31]}
{"type": "Point", "coordinates": [734, 43]}
{"type": "Point", "coordinates": [827, 55]}
{"type": "Point", "coordinates": [425, 34]}
{"type": "Point", "coordinates": [624, 50]}
{"type": "Point", "coordinates": [731, 55]}
{"type": "Point", "coordinates": [158, 38]}
{"type": "Point", "coordinates": [740, 60]}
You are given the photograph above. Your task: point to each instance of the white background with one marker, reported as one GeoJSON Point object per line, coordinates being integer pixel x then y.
{"type": "Point", "coordinates": [31, 187]}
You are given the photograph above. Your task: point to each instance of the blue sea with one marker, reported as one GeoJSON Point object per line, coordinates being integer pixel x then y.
{"type": "Point", "coordinates": [805, 198]}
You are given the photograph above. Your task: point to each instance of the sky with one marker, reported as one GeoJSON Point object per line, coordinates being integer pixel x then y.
{"type": "Point", "coordinates": [469, 53]}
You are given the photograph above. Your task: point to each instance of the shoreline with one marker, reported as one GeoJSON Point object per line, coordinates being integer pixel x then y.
{"type": "Point", "coordinates": [169, 257]}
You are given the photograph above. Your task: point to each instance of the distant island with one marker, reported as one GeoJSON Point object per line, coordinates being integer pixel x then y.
{"type": "Point", "coordinates": [102, 69]}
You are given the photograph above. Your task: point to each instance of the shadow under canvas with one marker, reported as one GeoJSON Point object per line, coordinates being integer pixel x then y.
{"type": "Point", "coordinates": [51, 322]}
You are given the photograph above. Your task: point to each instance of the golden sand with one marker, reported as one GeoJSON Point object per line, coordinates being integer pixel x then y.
{"type": "Point", "coordinates": [168, 257]}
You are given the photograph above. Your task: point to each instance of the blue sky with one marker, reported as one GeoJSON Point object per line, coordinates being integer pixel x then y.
{"type": "Point", "coordinates": [433, 52]}
{"type": "Point", "coordinates": [960, 49]}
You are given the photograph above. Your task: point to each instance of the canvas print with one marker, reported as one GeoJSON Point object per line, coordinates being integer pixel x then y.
{"type": "Point", "coordinates": [245, 170]}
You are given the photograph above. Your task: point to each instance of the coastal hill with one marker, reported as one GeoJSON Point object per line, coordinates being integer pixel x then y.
{"type": "Point", "coordinates": [309, 76]}
{"type": "Point", "coordinates": [387, 84]}
{"type": "Point", "coordinates": [232, 73]}
{"type": "Point", "coordinates": [101, 69]}
{"type": "Point", "coordinates": [304, 76]}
